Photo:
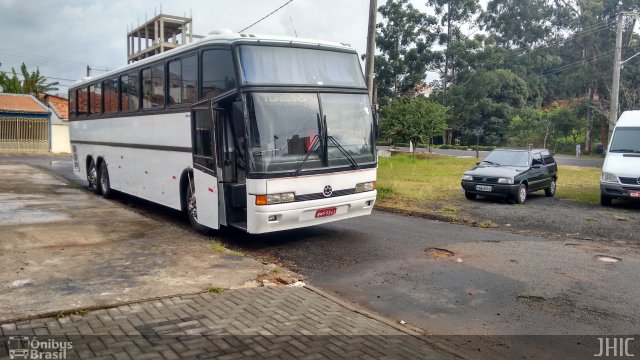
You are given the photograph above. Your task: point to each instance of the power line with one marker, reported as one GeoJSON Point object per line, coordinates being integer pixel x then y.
{"type": "Point", "coordinates": [266, 16]}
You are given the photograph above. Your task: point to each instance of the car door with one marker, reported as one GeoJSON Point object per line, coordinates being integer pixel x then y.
{"type": "Point", "coordinates": [538, 172]}
{"type": "Point", "coordinates": [551, 165]}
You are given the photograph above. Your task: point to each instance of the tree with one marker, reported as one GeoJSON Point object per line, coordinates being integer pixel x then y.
{"type": "Point", "coordinates": [32, 83]}
{"type": "Point", "coordinates": [414, 119]}
{"type": "Point", "coordinates": [404, 40]}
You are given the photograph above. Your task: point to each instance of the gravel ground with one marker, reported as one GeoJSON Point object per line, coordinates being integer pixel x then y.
{"type": "Point", "coordinates": [551, 216]}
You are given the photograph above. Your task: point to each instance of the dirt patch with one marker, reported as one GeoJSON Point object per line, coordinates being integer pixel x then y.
{"type": "Point", "coordinates": [437, 253]}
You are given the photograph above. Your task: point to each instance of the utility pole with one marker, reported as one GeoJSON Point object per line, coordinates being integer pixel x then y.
{"type": "Point", "coordinates": [88, 71]}
{"type": "Point", "coordinates": [615, 87]}
{"type": "Point", "coordinates": [371, 46]}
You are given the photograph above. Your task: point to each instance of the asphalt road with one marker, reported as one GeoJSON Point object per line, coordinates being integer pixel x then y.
{"type": "Point", "coordinates": [486, 282]}
{"type": "Point", "coordinates": [561, 159]}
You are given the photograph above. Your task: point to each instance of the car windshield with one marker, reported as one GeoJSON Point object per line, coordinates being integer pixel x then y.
{"type": "Point", "coordinates": [626, 139]}
{"type": "Point", "coordinates": [508, 158]}
{"type": "Point", "coordinates": [286, 133]}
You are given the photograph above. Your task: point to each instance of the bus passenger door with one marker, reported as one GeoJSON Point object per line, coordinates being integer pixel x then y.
{"type": "Point", "coordinates": [205, 171]}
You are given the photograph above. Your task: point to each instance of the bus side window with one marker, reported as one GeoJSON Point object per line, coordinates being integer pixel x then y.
{"type": "Point", "coordinates": [189, 76]}
{"type": "Point", "coordinates": [95, 99]}
{"type": "Point", "coordinates": [72, 103]}
{"type": "Point", "coordinates": [83, 101]}
{"type": "Point", "coordinates": [134, 92]}
{"type": "Point", "coordinates": [175, 82]}
{"type": "Point", "coordinates": [124, 89]}
{"type": "Point", "coordinates": [110, 94]}
{"type": "Point", "coordinates": [218, 73]}
{"type": "Point", "coordinates": [153, 87]}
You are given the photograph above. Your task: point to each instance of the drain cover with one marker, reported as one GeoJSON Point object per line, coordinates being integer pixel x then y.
{"type": "Point", "coordinates": [608, 259]}
{"type": "Point", "coordinates": [439, 253]}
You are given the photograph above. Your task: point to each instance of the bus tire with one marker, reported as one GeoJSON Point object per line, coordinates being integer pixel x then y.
{"type": "Point", "coordinates": [105, 184]}
{"type": "Point", "coordinates": [92, 177]}
{"type": "Point", "coordinates": [192, 210]}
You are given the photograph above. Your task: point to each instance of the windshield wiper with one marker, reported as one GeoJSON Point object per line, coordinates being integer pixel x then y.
{"type": "Point", "coordinates": [491, 162]}
{"type": "Point", "coordinates": [344, 152]}
{"type": "Point", "coordinates": [314, 142]}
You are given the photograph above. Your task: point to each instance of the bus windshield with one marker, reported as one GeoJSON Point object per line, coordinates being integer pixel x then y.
{"type": "Point", "coordinates": [271, 65]}
{"type": "Point", "coordinates": [286, 131]}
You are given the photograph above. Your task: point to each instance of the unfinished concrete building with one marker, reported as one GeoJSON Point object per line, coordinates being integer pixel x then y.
{"type": "Point", "coordinates": [161, 33]}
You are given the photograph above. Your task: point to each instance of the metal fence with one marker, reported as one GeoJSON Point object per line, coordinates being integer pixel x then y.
{"type": "Point", "coordinates": [24, 134]}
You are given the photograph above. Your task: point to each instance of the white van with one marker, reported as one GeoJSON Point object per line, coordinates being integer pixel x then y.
{"type": "Point", "coordinates": [621, 169]}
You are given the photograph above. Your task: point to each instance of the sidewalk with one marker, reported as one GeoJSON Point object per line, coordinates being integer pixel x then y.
{"type": "Point", "coordinates": [267, 322]}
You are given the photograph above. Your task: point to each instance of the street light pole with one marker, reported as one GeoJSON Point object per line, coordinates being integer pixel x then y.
{"type": "Point", "coordinates": [615, 86]}
{"type": "Point", "coordinates": [371, 46]}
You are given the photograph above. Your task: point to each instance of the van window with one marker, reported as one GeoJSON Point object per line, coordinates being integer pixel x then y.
{"type": "Point", "coordinates": [626, 139]}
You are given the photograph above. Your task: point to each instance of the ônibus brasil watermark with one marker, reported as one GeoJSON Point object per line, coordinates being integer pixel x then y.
{"type": "Point", "coordinates": [614, 347]}
{"type": "Point", "coordinates": [25, 347]}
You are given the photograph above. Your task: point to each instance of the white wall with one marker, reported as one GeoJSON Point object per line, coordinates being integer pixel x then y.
{"type": "Point", "coordinates": [60, 138]}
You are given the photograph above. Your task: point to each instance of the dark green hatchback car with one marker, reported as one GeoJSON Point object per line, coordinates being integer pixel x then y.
{"type": "Point", "coordinates": [512, 174]}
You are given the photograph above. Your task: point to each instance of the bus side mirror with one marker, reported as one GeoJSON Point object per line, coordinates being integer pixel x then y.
{"type": "Point", "coordinates": [238, 118]}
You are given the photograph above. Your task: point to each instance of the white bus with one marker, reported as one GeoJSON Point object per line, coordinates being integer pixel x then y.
{"type": "Point", "coordinates": [259, 133]}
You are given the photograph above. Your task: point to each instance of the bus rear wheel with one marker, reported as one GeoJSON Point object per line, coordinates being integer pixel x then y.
{"type": "Point", "coordinates": [92, 178]}
{"type": "Point", "coordinates": [105, 185]}
{"type": "Point", "coordinates": [192, 210]}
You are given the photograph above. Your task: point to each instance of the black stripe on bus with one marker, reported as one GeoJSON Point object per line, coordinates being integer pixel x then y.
{"type": "Point", "coordinates": [135, 146]}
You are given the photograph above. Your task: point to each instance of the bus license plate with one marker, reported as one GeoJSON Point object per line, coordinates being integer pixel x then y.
{"type": "Point", "coordinates": [326, 212]}
{"type": "Point", "coordinates": [483, 188]}
{"type": "Point", "coordinates": [634, 194]}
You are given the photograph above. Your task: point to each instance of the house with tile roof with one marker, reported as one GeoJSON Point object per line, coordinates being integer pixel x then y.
{"type": "Point", "coordinates": [25, 124]}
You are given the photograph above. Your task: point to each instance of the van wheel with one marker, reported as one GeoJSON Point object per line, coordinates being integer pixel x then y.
{"type": "Point", "coordinates": [192, 210]}
{"type": "Point", "coordinates": [521, 195]}
{"type": "Point", "coordinates": [470, 196]}
{"type": "Point", "coordinates": [105, 185]}
{"type": "Point", "coordinates": [605, 200]}
{"type": "Point", "coordinates": [92, 178]}
{"type": "Point", "coordinates": [551, 190]}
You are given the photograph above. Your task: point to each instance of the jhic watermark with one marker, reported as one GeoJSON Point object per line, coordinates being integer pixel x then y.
{"type": "Point", "coordinates": [26, 347]}
{"type": "Point", "coordinates": [614, 347]}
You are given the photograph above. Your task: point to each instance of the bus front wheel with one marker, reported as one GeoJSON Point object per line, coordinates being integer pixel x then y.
{"type": "Point", "coordinates": [192, 210]}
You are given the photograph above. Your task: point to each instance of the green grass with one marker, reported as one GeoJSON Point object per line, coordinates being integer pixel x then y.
{"type": "Point", "coordinates": [214, 290]}
{"type": "Point", "coordinates": [220, 249]}
{"type": "Point", "coordinates": [403, 177]}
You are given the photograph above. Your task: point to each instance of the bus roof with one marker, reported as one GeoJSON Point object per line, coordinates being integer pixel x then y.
{"type": "Point", "coordinates": [212, 39]}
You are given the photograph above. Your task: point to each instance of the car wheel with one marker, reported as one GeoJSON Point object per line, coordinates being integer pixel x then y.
{"type": "Point", "coordinates": [192, 210]}
{"type": "Point", "coordinates": [551, 190]}
{"type": "Point", "coordinates": [105, 185]}
{"type": "Point", "coordinates": [470, 196]}
{"type": "Point", "coordinates": [605, 200]}
{"type": "Point", "coordinates": [521, 195]}
{"type": "Point", "coordinates": [92, 178]}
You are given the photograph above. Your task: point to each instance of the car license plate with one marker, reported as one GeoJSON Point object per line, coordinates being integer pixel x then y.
{"type": "Point", "coordinates": [483, 188]}
{"type": "Point", "coordinates": [326, 212]}
{"type": "Point", "coordinates": [634, 194]}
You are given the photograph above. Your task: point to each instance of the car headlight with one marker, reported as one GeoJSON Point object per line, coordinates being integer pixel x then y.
{"type": "Point", "coordinates": [366, 186]}
{"type": "Point", "coordinates": [467, 178]}
{"type": "Point", "coordinates": [505, 180]}
{"type": "Point", "coordinates": [609, 177]}
{"type": "Point", "coordinates": [275, 198]}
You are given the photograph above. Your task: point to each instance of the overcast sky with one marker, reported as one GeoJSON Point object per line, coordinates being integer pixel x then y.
{"type": "Point", "coordinates": [62, 37]}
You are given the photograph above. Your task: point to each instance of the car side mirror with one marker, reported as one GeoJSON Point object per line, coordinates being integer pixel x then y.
{"type": "Point", "coordinates": [536, 166]}
{"type": "Point", "coordinates": [478, 163]}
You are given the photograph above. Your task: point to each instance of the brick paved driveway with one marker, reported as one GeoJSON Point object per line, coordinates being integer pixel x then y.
{"type": "Point", "coordinates": [268, 322]}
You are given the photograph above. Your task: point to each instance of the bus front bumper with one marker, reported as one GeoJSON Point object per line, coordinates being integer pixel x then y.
{"type": "Point", "coordinates": [269, 218]}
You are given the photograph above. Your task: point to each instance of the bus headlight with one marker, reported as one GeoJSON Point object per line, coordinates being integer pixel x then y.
{"type": "Point", "coordinates": [366, 186]}
{"type": "Point", "coordinates": [272, 199]}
